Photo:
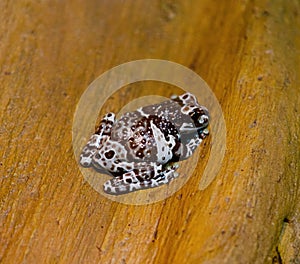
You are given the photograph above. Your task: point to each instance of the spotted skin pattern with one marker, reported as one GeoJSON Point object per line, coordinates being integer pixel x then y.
{"type": "Point", "coordinates": [140, 150]}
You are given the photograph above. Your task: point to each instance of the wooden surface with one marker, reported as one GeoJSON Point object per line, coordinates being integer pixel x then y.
{"type": "Point", "coordinates": [247, 51]}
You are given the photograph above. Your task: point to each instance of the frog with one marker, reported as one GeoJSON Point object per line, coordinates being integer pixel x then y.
{"type": "Point", "coordinates": [143, 148]}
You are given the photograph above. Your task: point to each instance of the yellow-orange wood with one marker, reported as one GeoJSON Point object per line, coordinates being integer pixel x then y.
{"type": "Point", "coordinates": [249, 54]}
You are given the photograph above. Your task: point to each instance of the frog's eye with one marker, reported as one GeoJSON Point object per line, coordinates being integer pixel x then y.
{"type": "Point", "coordinates": [203, 119]}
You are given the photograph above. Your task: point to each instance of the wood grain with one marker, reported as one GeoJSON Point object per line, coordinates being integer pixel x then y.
{"type": "Point", "coordinates": [247, 51]}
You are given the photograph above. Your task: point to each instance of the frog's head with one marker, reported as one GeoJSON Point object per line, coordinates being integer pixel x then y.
{"type": "Point", "coordinates": [197, 115]}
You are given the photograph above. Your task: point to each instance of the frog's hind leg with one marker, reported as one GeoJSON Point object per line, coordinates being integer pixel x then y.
{"type": "Point", "coordinates": [101, 135]}
{"type": "Point", "coordinates": [150, 176]}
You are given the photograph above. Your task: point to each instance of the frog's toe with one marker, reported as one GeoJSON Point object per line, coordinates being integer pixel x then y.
{"type": "Point", "coordinates": [166, 176]}
{"type": "Point", "coordinates": [86, 156]}
{"type": "Point", "coordinates": [85, 161]}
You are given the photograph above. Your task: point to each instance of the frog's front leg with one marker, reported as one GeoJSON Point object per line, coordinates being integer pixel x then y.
{"type": "Point", "coordinates": [187, 148]}
{"type": "Point", "coordinates": [143, 176]}
{"type": "Point", "coordinates": [102, 134]}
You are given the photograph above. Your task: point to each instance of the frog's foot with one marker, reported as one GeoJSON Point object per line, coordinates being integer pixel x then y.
{"type": "Point", "coordinates": [101, 135]}
{"type": "Point", "coordinates": [142, 178]}
{"type": "Point", "coordinates": [104, 128]}
{"type": "Point", "coordinates": [187, 150]}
